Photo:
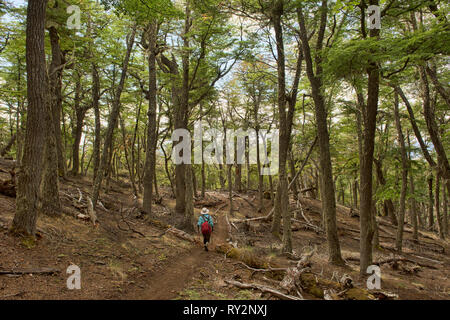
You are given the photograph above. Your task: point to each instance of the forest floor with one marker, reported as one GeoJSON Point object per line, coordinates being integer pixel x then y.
{"type": "Point", "coordinates": [127, 257]}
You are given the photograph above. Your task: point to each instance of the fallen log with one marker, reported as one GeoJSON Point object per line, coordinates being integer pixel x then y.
{"type": "Point", "coordinates": [182, 235]}
{"type": "Point", "coordinates": [246, 200]}
{"type": "Point", "coordinates": [390, 260]}
{"type": "Point", "coordinates": [262, 288]}
{"type": "Point", "coordinates": [250, 259]}
{"type": "Point", "coordinates": [32, 271]}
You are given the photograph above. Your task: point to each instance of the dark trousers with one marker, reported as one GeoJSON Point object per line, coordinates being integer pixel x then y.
{"type": "Point", "coordinates": [206, 237]}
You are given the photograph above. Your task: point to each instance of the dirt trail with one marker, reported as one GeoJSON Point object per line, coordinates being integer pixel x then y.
{"type": "Point", "coordinates": [173, 277]}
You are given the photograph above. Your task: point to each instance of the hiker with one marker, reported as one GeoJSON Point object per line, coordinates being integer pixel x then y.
{"type": "Point", "coordinates": [206, 225]}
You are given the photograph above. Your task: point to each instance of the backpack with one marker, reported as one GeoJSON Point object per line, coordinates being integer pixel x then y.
{"type": "Point", "coordinates": [206, 227]}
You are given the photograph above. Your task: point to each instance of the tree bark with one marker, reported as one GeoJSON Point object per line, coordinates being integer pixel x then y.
{"type": "Point", "coordinates": [366, 162]}
{"type": "Point", "coordinates": [401, 142]}
{"type": "Point", "coordinates": [150, 161]}
{"type": "Point", "coordinates": [95, 105]}
{"type": "Point", "coordinates": [437, 205]}
{"type": "Point", "coordinates": [430, 203]}
{"type": "Point", "coordinates": [413, 202]}
{"type": "Point", "coordinates": [29, 175]}
{"type": "Point", "coordinates": [80, 113]}
{"type": "Point", "coordinates": [444, 208]}
{"type": "Point", "coordinates": [55, 75]}
{"type": "Point", "coordinates": [282, 199]}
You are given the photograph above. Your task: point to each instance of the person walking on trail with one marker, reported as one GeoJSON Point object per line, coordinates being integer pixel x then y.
{"type": "Point", "coordinates": [206, 226]}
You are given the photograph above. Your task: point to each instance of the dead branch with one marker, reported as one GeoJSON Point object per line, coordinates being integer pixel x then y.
{"type": "Point", "coordinates": [130, 228]}
{"type": "Point", "coordinates": [91, 211]}
{"type": "Point", "coordinates": [270, 269]}
{"type": "Point", "coordinates": [230, 236]}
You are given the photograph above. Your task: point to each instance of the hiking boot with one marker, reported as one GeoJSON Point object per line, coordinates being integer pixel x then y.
{"type": "Point", "coordinates": [206, 248]}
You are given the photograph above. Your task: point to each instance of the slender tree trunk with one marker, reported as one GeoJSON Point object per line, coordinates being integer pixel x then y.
{"type": "Point", "coordinates": [194, 182]}
{"type": "Point", "coordinates": [444, 208]}
{"type": "Point", "coordinates": [355, 193]}
{"type": "Point", "coordinates": [83, 155]}
{"type": "Point", "coordinates": [55, 75]}
{"type": "Point", "coordinates": [366, 162]}
{"type": "Point", "coordinates": [112, 121]}
{"type": "Point", "coordinates": [189, 221]}
{"type": "Point", "coordinates": [292, 169]}
{"type": "Point", "coordinates": [203, 160]}
{"type": "Point", "coordinates": [326, 174]}
{"type": "Point", "coordinates": [439, 87]}
{"type": "Point", "coordinates": [247, 163]}
{"type": "Point", "coordinates": [95, 104]}
{"type": "Point", "coordinates": [29, 175]}
{"type": "Point", "coordinates": [285, 127]}
{"type": "Point", "coordinates": [150, 161]}
{"type": "Point", "coordinates": [80, 113]}
{"type": "Point", "coordinates": [401, 142]}
{"type": "Point", "coordinates": [49, 190]}
{"type": "Point", "coordinates": [437, 205]}
{"type": "Point", "coordinates": [230, 189]}
{"type": "Point", "coordinates": [181, 118]}
{"type": "Point", "coordinates": [125, 148]}
{"type": "Point", "coordinates": [388, 204]}
{"type": "Point", "coordinates": [430, 203]}
{"type": "Point", "coordinates": [8, 145]}
{"type": "Point", "coordinates": [413, 202]}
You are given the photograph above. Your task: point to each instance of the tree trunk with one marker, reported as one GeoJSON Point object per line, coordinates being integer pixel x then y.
{"type": "Point", "coordinates": [413, 202]}
{"type": "Point", "coordinates": [401, 142]}
{"type": "Point", "coordinates": [230, 190]}
{"type": "Point", "coordinates": [181, 117]}
{"type": "Point", "coordinates": [29, 175]}
{"type": "Point", "coordinates": [281, 199]}
{"type": "Point", "coordinates": [430, 203]}
{"type": "Point", "coordinates": [150, 161]}
{"type": "Point", "coordinates": [388, 204]}
{"type": "Point", "coordinates": [125, 148]}
{"type": "Point", "coordinates": [49, 190]}
{"type": "Point", "coordinates": [326, 174]}
{"type": "Point", "coordinates": [80, 113]}
{"type": "Point", "coordinates": [189, 220]}
{"type": "Point", "coordinates": [8, 146]}
{"type": "Point", "coordinates": [55, 75]}
{"type": "Point", "coordinates": [355, 193]}
{"type": "Point", "coordinates": [437, 205]}
{"type": "Point", "coordinates": [432, 126]}
{"type": "Point", "coordinates": [258, 165]}
{"type": "Point", "coordinates": [95, 105]}
{"type": "Point", "coordinates": [366, 162]}
{"type": "Point", "coordinates": [444, 208]}
{"type": "Point", "coordinates": [112, 121]}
